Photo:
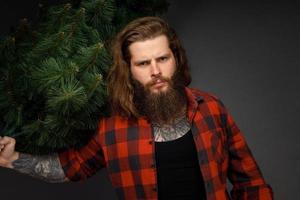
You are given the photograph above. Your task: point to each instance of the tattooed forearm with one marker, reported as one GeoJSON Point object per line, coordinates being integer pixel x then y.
{"type": "Point", "coordinates": [47, 167]}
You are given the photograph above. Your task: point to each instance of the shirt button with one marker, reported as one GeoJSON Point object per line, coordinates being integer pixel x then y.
{"type": "Point", "coordinates": [208, 185]}
{"type": "Point", "coordinates": [150, 142]}
{"type": "Point", "coordinates": [154, 189]}
{"type": "Point", "coordinates": [152, 165]}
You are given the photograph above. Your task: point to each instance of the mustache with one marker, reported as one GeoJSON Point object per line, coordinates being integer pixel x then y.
{"type": "Point", "coordinates": [157, 78]}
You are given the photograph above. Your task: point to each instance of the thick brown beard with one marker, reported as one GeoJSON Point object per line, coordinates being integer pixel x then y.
{"type": "Point", "coordinates": [161, 107]}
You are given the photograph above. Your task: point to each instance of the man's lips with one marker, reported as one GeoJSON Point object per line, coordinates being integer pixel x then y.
{"type": "Point", "coordinates": [158, 83]}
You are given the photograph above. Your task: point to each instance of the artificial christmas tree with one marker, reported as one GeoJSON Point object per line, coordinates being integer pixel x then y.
{"type": "Point", "coordinates": [52, 88]}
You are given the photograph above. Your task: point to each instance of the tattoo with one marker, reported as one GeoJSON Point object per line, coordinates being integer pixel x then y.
{"type": "Point", "coordinates": [163, 133]}
{"type": "Point", "coordinates": [47, 168]}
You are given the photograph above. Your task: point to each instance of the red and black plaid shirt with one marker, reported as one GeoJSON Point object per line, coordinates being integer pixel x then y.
{"type": "Point", "coordinates": [126, 148]}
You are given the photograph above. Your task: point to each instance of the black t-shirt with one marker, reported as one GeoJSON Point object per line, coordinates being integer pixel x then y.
{"type": "Point", "coordinates": [178, 171]}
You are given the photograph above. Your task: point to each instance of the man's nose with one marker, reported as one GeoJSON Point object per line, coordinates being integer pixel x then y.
{"type": "Point", "coordinates": [155, 69]}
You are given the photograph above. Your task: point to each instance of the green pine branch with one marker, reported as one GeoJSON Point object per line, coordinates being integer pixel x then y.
{"type": "Point", "coordinates": [52, 89]}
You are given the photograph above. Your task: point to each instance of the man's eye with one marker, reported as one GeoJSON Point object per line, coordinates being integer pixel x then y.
{"type": "Point", "coordinates": [143, 63]}
{"type": "Point", "coordinates": [163, 58]}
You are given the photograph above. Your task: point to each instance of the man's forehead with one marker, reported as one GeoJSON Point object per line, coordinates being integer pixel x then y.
{"type": "Point", "coordinates": [156, 46]}
{"type": "Point", "coordinates": [159, 38]}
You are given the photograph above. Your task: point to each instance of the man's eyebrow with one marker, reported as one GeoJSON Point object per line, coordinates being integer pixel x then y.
{"type": "Point", "coordinates": [141, 61]}
{"type": "Point", "coordinates": [136, 62]}
{"type": "Point", "coordinates": [164, 55]}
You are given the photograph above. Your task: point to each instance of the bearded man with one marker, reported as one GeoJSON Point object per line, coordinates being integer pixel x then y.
{"type": "Point", "coordinates": [163, 140]}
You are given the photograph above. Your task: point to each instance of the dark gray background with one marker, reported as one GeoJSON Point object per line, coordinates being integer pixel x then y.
{"type": "Point", "coordinates": [245, 52]}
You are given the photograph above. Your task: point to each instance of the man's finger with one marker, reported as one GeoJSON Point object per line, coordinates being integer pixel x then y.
{"type": "Point", "coordinates": [5, 140]}
{"type": "Point", "coordinates": [1, 147]}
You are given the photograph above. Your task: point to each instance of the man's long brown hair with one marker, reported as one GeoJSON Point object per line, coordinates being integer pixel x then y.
{"type": "Point", "coordinates": [119, 80]}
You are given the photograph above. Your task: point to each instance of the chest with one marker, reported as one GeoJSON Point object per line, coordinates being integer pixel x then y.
{"type": "Point", "coordinates": [134, 147]}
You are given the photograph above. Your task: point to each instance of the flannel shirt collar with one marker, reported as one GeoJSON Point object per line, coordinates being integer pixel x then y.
{"type": "Point", "coordinates": [193, 101]}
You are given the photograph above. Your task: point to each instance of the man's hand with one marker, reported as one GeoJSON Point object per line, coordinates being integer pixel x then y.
{"type": "Point", "coordinates": [7, 151]}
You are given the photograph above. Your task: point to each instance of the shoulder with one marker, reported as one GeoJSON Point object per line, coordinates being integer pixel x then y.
{"type": "Point", "coordinates": [116, 122]}
{"type": "Point", "coordinates": [207, 102]}
{"type": "Point", "coordinates": [204, 95]}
